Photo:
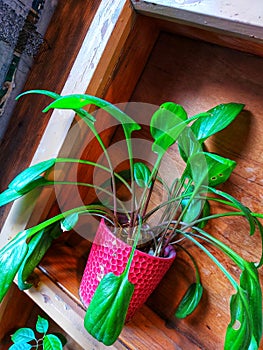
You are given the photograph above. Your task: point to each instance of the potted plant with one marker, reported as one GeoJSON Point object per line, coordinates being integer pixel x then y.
{"type": "Point", "coordinates": [184, 213]}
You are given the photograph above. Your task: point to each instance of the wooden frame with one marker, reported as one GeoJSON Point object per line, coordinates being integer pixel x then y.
{"type": "Point", "coordinates": [117, 44]}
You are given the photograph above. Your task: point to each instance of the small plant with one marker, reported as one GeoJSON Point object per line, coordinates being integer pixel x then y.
{"type": "Point", "coordinates": [185, 212]}
{"type": "Point", "coordinates": [26, 339]}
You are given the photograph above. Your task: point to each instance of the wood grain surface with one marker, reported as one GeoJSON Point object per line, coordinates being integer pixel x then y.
{"type": "Point", "coordinates": [153, 67]}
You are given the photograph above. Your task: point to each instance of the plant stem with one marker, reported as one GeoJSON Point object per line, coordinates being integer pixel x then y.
{"type": "Point", "coordinates": [211, 256]}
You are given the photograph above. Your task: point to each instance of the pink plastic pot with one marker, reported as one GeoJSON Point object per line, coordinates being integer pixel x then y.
{"type": "Point", "coordinates": [110, 254]}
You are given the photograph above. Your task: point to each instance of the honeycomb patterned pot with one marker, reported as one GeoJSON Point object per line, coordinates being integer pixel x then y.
{"type": "Point", "coordinates": [109, 254]}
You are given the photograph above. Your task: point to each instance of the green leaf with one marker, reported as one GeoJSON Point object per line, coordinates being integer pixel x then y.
{"type": "Point", "coordinates": [23, 335]}
{"type": "Point", "coordinates": [29, 175]}
{"type": "Point", "coordinates": [78, 101]}
{"type": "Point", "coordinates": [69, 222]}
{"type": "Point", "coordinates": [239, 330]}
{"type": "Point", "coordinates": [260, 228]}
{"type": "Point", "coordinates": [205, 213]}
{"type": "Point", "coordinates": [42, 325]}
{"type": "Point", "coordinates": [8, 196]}
{"type": "Point", "coordinates": [52, 342]}
{"type": "Point", "coordinates": [81, 112]}
{"type": "Point", "coordinates": [20, 346]}
{"type": "Point", "coordinates": [188, 144]}
{"type": "Point", "coordinates": [61, 337]}
{"type": "Point", "coordinates": [217, 119]}
{"type": "Point", "coordinates": [11, 257]}
{"type": "Point", "coordinates": [194, 210]}
{"type": "Point", "coordinates": [41, 92]}
{"type": "Point", "coordinates": [219, 168]}
{"type": "Point", "coordinates": [249, 281]}
{"type": "Point", "coordinates": [107, 311]}
{"type": "Point", "coordinates": [37, 248]}
{"type": "Point", "coordinates": [142, 174]}
{"type": "Point", "coordinates": [190, 300]}
{"type": "Point", "coordinates": [166, 125]}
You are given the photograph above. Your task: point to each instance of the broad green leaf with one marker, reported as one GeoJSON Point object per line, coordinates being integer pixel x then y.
{"type": "Point", "coordinates": [190, 300]}
{"type": "Point", "coordinates": [239, 330]}
{"type": "Point", "coordinates": [142, 174]}
{"type": "Point", "coordinates": [194, 210]}
{"type": "Point", "coordinates": [37, 248]}
{"type": "Point", "coordinates": [218, 118]}
{"type": "Point", "coordinates": [205, 213]}
{"type": "Point", "coordinates": [42, 325]}
{"type": "Point", "coordinates": [188, 144]}
{"type": "Point", "coordinates": [23, 180]}
{"type": "Point", "coordinates": [166, 125]}
{"type": "Point", "coordinates": [78, 101]}
{"type": "Point", "coordinates": [253, 344]}
{"type": "Point", "coordinates": [107, 311]}
{"type": "Point", "coordinates": [219, 168]}
{"type": "Point", "coordinates": [23, 335]}
{"type": "Point", "coordinates": [69, 222]}
{"type": "Point", "coordinates": [249, 281]}
{"type": "Point", "coordinates": [11, 257]}
{"type": "Point", "coordinates": [52, 342]}
{"type": "Point", "coordinates": [8, 196]}
{"type": "Point", "coordinates": [21, 346]}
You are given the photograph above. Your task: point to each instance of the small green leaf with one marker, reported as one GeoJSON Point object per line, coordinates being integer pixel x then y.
{"type": "Point", "coordinates": [107, 311]}
{"type": "Point", "coordinates": [166, 125]}
{"type": "Point", "coordinates": [219, 168]}
{"type": "Point", "coordinates": [23, 180]}
{"type": "Point", "coordinates": [142, 174]}
{"type": "Point", "coordinates": [11, 257]}
{"type": "Point", "coordinates": [52, 342]}
{"type": "Point", "coordinates": [42, 325]}
{"type": "Point", "coordinates": [216, 120]}
{"type": "Point", "coordinates": [62, 338]}
{"type": "Point", "coordinates": [69, 222]}
{"type": "Point", "coordinates": [23, 335]}
{"type": "Point", "coordinates": [190, 300]}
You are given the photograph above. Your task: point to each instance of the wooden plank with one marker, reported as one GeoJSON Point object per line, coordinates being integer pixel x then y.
{"type": "Point", "coordinates": [199, 76]}
{"type": "Point", "coordinates": [212, 36]}
{"type": "Point", "coordinates": [235, 18]}
{"type": "Point", "coordinates": [16, 303]}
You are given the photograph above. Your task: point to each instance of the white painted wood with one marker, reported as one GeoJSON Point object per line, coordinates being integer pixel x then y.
{"type": "Point", "coordinates": [239, 17]}
{"type": "Point", "coordinates": [67, 314]}
{"type": "Point", "coordinates": [78, 80]}
{"type": "Point", "coordinates": [58, 305]}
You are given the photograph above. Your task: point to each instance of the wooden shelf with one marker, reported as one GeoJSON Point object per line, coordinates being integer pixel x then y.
{"type": "Point", "coordinates": [150, 60]}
